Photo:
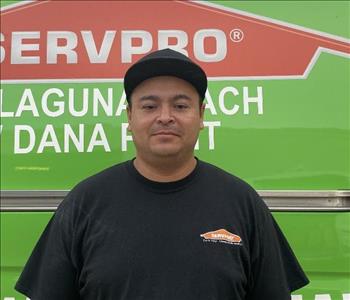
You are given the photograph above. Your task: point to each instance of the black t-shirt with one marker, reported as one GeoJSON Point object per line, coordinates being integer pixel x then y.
{"type": "Point", "coordinates": [120, 236]}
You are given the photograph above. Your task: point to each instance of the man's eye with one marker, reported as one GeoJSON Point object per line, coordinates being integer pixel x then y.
{"type": "Point", "coordinates": [148, 106]}
{"type": "Point", "coordinates": [181, 106]}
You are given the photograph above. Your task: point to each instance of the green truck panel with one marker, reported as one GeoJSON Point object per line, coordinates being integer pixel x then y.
{"type": "Point", "coordinates": [297, 138]}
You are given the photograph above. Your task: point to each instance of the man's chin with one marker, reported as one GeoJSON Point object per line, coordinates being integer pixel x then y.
{"type": "Point", "coordinates": [165, 151]}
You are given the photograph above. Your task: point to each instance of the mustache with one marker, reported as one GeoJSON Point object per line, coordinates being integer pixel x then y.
{"type": "Point", "coordinates": [165, 129]}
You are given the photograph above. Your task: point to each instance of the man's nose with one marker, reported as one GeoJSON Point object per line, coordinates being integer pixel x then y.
{"type": "Point", "coordinates": [165, 115]}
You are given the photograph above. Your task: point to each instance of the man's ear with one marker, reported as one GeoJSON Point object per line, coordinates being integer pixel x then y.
{"type": "Point", "coordinates": [128, 112]}
{"type": "Point", "coordinates": [201, 112]}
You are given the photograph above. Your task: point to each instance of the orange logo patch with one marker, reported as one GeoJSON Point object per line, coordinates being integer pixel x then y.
{"type": "Point", "coordinates": [222, 235]}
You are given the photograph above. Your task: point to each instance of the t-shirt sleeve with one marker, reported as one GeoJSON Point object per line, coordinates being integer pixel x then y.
{"type": "Point", "coordinates": [275, 271]}
{"type": "Point", "coordinates": [51, 271]}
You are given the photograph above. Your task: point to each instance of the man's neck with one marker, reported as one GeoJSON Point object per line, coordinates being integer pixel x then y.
{"type": "Point", "coordinates": [165, 169]}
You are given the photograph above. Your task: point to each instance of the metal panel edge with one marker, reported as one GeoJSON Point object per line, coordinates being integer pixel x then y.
{"type": "Point", "coordinates": [276, 200]}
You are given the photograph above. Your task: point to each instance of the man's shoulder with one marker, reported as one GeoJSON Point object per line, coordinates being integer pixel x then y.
{"type": "Point", "coordinates": [223, 177]}
{"type": "Point", "coordinates": [97, 185]}
{"type": "Point", "coordinates": [233, 189]}
{"type": "Point", "coordinates": [105, 177]}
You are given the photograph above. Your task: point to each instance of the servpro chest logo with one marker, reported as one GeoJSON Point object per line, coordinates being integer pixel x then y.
{"type": "Point", "coordinates": [100, 40]}
{"type": "Point", "coordinates": [222, 236]}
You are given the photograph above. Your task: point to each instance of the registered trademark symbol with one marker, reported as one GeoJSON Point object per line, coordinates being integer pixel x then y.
{"type": "Point", "coordinates": [236, 35]}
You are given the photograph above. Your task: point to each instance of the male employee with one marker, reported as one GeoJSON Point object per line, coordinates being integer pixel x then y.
{"type": "Point", "coordinates": [165, 225]}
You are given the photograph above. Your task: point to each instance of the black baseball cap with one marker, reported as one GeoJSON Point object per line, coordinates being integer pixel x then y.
{"type": "Point", "coordinates": [166, 62]}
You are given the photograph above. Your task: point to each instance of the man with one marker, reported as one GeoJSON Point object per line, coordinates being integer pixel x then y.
{"type": "Point", "coordinates": [164, 225]}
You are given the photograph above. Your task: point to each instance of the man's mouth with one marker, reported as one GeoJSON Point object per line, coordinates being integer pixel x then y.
{"type": "Point", "coordinates": [165, 132]}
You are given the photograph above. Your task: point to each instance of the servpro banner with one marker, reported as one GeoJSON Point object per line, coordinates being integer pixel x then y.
{"type": "Point", "coordinates": [276, 103]}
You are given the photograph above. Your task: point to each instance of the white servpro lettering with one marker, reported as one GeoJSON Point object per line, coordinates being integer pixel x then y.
{"type": "Point", "coordinates": [101, 56]}
{"type": "Point", "coordinates": [2, 49]}
{"type": "Point", "coordinates": [27, 103]}
{"type": "Point", "coordinates": [55, 102]}
{"type": "Point", "coordinates": [58, 104]}
{"type": "Point", "coordinates": [19, 131]}
{"type": "Point", "coordinates": [224, 109]}
{"type": "Point", "coordinates": [248, 99]}
{"type": "Point", "coordinates": [98, 138]}
{"type": "Point", "coordinates": [71, 136]}
{"type": "Point", "coordinates": [84, 103]}
{"type": "Point", "coordinates": [181, 37]}
{"type": "Point", "coordinates": [126, 137]}
{"type": "Point", "coordinates": [25, 139]}
{"type": "Point", "coordinates": [53, 49]}
{"type": "Point", "coordinates": [18, 47]}
{"type": "Point", "coordinates": [63, 43]}
{"type": "Point", "coordinates": [220, 45]}
{"type": "Point", "coordinates": [228, 97]}
{"type": "Point", "coordinates": [49, 139]}
{"type": "Point", "coordinates": [62, 104]}
{"type": "Point", "coordinates": [122, 105]}
{"type": "Point", "coordinates": [211, 133]}
{"type": "Point", "coordinates": [128, 50]}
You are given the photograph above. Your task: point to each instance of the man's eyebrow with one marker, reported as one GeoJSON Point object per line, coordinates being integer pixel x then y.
{"type": "Point", "coordinates": [149, 97]}
{"type": "Point", "coordinates": [155, 97]}
{"type": "Point", "coordinates": [181, 96]}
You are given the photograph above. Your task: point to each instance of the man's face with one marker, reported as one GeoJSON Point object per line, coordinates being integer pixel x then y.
{"type": "Point", "coordinates": [165, 117]}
